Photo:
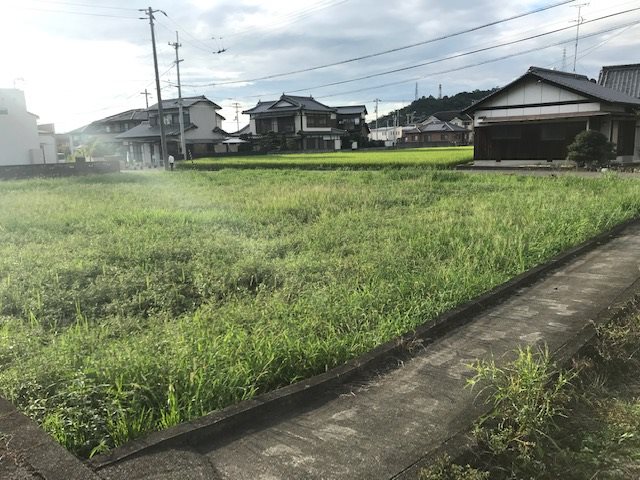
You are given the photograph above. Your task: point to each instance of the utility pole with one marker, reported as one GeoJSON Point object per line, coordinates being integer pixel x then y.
{"type": "Point", "coordinates": [377, 133]}
{"type": "Point", "coordinates": [146, 97]}
{"type": "Point", "coordinates": [183, 147]}
{"type": "Point", "coordinates": [578, 22]}
{"type": "Point", "coordinates": [440, 91]}
{"type": "Point", "coordinates": [416, 95]}
{"type": "Point", "coordinates": [163, 139]}
{"type": "Point", "coordinates": [236, 105]}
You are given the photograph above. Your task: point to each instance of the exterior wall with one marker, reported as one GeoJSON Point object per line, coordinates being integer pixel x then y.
{"type": "Point", "coordinates": [533, 91]}
{"type": "Point", "coordinates": [19, 142]}
{"type": "Point", "coordinates": [48, 148]}
{"type": "Point", "coordinates": [539, 141]}
{"type": "Point", "coordinates": [546, 110]}
{"type": "Point", "coordinates": [391, 134]}
{"type": "Point", "coordinates": [204, 116]}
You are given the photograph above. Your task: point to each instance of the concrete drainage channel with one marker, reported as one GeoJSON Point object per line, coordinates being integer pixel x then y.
{"type": "Point", "coordinates": [327, 426]}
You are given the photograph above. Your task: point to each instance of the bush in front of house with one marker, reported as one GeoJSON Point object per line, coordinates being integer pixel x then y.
{"type": "Point", "coordinates": [591, 149]}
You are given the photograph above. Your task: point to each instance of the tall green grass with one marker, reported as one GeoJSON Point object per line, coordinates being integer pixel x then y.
{"type": "Point", "coordinates": [132, 302]}
{"type": "Point", "coordinates": [441, 157]}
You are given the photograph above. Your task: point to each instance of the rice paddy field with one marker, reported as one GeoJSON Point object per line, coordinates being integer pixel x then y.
{"type": "Point", "coordinates": [131, 302]}
{"type": "Point", "coordinates": [444, 157]}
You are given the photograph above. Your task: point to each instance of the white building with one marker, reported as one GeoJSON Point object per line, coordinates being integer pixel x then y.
{"type": "Point", "coordinates": [389, 135]}
{"type": "Point", "coordinates": [19, 141]}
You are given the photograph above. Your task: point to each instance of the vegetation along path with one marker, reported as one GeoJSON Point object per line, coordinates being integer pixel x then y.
{"type": "Point", "coordinates": [378, 427]}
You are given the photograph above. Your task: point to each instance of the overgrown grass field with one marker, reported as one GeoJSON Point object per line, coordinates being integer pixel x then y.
{"type": "Point", "coordinates": [444, 157]}
{"type": "Point", "coordinates": [132, 302]}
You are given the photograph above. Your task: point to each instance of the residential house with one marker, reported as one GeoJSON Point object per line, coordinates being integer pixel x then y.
{"type": "Point", "coordinates": [453, 117]}
{"type": "Point", "coordinates": [103, 133]}
{"type": "Point", "coordinates": [435, 134]}
{"type": "Point", "coordinates": [19, 141]}
{"type": "Point", "coordinates": [303, 122]}
{"type": "Point", "coordinates": [352, 119]}
{"type": "Point", "coordinates": [534, 118]}
{"type": "Point", "coordinates": [202, 130]}
{"type": "Point", "coordinates": [624, 78]}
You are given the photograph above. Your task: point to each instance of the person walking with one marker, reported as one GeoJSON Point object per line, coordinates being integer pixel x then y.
{"type": "Point", "coordinates": [171, 162]}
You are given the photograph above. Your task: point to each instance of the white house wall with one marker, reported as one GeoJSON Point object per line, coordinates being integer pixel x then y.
{"type": "Point", "coordinates": [19, 142]}
{"type": "Point", "coordinates": [536, 93]}
{"type": "Point", "coordinates": [48, 148]}
{"type": "Point", "coordinates": [204, 116]}
{"type": "Point", "coordinates": [533, 91]}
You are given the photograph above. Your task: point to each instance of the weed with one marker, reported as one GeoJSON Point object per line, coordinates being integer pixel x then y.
{"type": "Point", "coordinates": [526, 397]}
{"type": "Point", "coordinates": [131, 302]}
{"type": "Point", "coordinates": [445, 469]}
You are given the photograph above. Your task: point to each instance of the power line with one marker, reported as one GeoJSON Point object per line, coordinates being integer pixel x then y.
{"type": "Point", "coordinates": [443, 59]}
{"type": "Point", "coordinates": [393, 50]}
{"type": "Point", "coordinates": [188, 34]}
{"type": "Point", "coordinates": [451, 57]}
{"type": "Point", "coordinates": [492, 60]}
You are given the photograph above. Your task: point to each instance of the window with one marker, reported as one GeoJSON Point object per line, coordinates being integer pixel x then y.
{"type": "Point", "coordinates": [314, 121]}
{"type": "Point", "coordinates": [167, 119]}
{"type": "Point", "coordinates": [108, 128]}
{"type": "Point", "coordinates": [263, 125]}
{"type": "Point", "coordinates": [153, 121]}
{"type": "Point", "coordinates": [286, 125]}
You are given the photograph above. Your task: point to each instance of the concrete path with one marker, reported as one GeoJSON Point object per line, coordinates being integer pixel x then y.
{"type": "Point", "coordinates": [377, 428]}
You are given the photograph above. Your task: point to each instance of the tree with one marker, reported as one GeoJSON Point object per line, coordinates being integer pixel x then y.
{"type": "Point", "coordinates": [590, 148]}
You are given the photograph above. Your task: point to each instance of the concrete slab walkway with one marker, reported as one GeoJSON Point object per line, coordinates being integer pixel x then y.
{"type": "Point", "coordinates": [378, 427]}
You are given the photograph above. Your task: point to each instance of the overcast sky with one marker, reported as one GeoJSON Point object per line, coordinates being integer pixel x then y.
{"type": "Point", "coordinates": [82, 60]}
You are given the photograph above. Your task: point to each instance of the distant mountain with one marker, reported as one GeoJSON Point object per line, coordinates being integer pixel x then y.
{"type": "Point", "coordinates": [424, 107]}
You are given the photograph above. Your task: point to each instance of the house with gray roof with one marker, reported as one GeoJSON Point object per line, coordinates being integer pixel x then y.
{"type": "Point", "coordinates": [624, 78]}
{"type": "Point", "coordinates": [202, 130]}
{"type": "Point", "coordinates": [303, 122]}
{"type": "Point", "coordinates": [534, 118]}
{"type": "Point", "coordinates": [435, 133]}
{"type": "Point", "coordinates": [104, 132]}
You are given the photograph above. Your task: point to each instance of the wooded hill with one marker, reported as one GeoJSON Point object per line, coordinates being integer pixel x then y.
{"type": "Point", "coordinates": [425, 106]}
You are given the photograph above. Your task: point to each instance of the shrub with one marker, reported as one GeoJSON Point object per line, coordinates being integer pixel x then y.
{"type": "Point", "coordinates": [590, 148]}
